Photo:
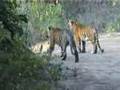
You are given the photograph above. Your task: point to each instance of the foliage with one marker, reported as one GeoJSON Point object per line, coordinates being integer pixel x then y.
{"type": "Point", "coordinates": [11, 23]}
{"type": "Point", "coordinates": [24, 71]}
{"type": "Point", "coordinates": [9, 18]}
{"type": "Point", "coordinates": [41, 15]}
{"type": "Point", "coordinates": [98, 13]}
{"type": "Point", "coordinates": [45, 14]}
{"type": "Point", "coordinates": [20, 69]}
{"type": "Point", "coordinates": [113, 27]}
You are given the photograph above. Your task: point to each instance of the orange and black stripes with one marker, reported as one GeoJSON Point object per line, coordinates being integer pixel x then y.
{"type": "Point", "coordinates": [85, 33]}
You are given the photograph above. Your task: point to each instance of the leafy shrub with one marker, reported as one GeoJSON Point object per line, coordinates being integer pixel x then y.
{"type": "Point", "coordinates": [20, 69]}
{"type": "Point", "coordinates": [113, 27]}
{"type": "Point", "coordinates": [45, 14]}
{"type": "Point", "coordinates": [26, 71]}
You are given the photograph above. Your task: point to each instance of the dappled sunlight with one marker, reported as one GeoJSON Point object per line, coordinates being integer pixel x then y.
{"type": "Point", "coordinates": [36, 48]}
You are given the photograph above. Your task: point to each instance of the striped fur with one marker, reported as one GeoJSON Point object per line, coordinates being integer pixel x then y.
{"type": "Point", "coordinates": [85, 33]}
{"type": "Point", "coordinates": [62, 38]}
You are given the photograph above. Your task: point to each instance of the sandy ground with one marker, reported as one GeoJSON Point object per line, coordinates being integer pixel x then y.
{"type": "Point", "coordinates": [94, 71]}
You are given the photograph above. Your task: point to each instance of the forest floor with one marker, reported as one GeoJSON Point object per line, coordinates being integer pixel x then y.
{"type": "Point", "coordinates": [99, 71]}
{"type": "Point", "coordinates": [94, 71]}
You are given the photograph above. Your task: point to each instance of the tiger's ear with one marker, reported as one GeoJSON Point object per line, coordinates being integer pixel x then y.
{"type": "Point", "coordinates": [69, 21]}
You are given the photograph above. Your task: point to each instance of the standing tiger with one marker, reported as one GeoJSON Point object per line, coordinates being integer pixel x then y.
{"type": "Point", "coordinates": [63, 38]}
{"type": "Point", "coordinates": [83, 33]}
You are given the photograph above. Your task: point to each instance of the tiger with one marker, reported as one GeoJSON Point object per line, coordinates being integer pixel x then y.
{"type": "Point", "coordinates": [62, 38]}
{"type": "Point", "coordinates": [84, 33]}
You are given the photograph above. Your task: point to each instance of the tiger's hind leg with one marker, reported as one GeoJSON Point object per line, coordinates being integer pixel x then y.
{"type": "Point", "coordinates": [98, 44]}
{"type": "Point", "coordinates": [94, 51]}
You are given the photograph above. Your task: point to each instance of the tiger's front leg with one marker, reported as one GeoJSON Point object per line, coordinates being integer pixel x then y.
{"type": "Point", "coordinates": [83, 46]}
{"type": "Point", "coordinates": [75, 54]}
{"type": "Point", "coordinates": [61, 52]}
{"type": "Point", "coordinates": [79, 46]}
{"type": "Point", "coordinates": [64, 55]}
{"type": "Point", "coordinates": [51, 48]}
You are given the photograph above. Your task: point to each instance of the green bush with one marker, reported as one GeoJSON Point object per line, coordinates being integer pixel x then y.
{"type": "Point", "coordinates": [20, 69]}
{"type": "Point", "coordinates": [26, 71]}
{"type": "Point", "coordinates": [45, 14]}
{"type": "Point", "coordinates": [113, 27]}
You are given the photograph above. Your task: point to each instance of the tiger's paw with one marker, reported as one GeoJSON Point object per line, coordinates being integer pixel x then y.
{"type": "Point", "coordinates": [76, 61]}
{"type": "Point", "coordinates": [93, 52]}
{"type": "Point", "coordinates": [83, 51]}
{"type": "Point", "coordinates": [102, 51]}
{"type": "Point", "coordinates": [64, 57]}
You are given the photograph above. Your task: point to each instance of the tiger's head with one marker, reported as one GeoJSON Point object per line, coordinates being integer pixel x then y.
{"type": "Point", "coordinates": [72, 24]}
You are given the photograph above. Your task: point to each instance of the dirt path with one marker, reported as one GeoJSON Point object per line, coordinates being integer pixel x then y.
{"type": "Point", "coordinates": [93, 72]}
